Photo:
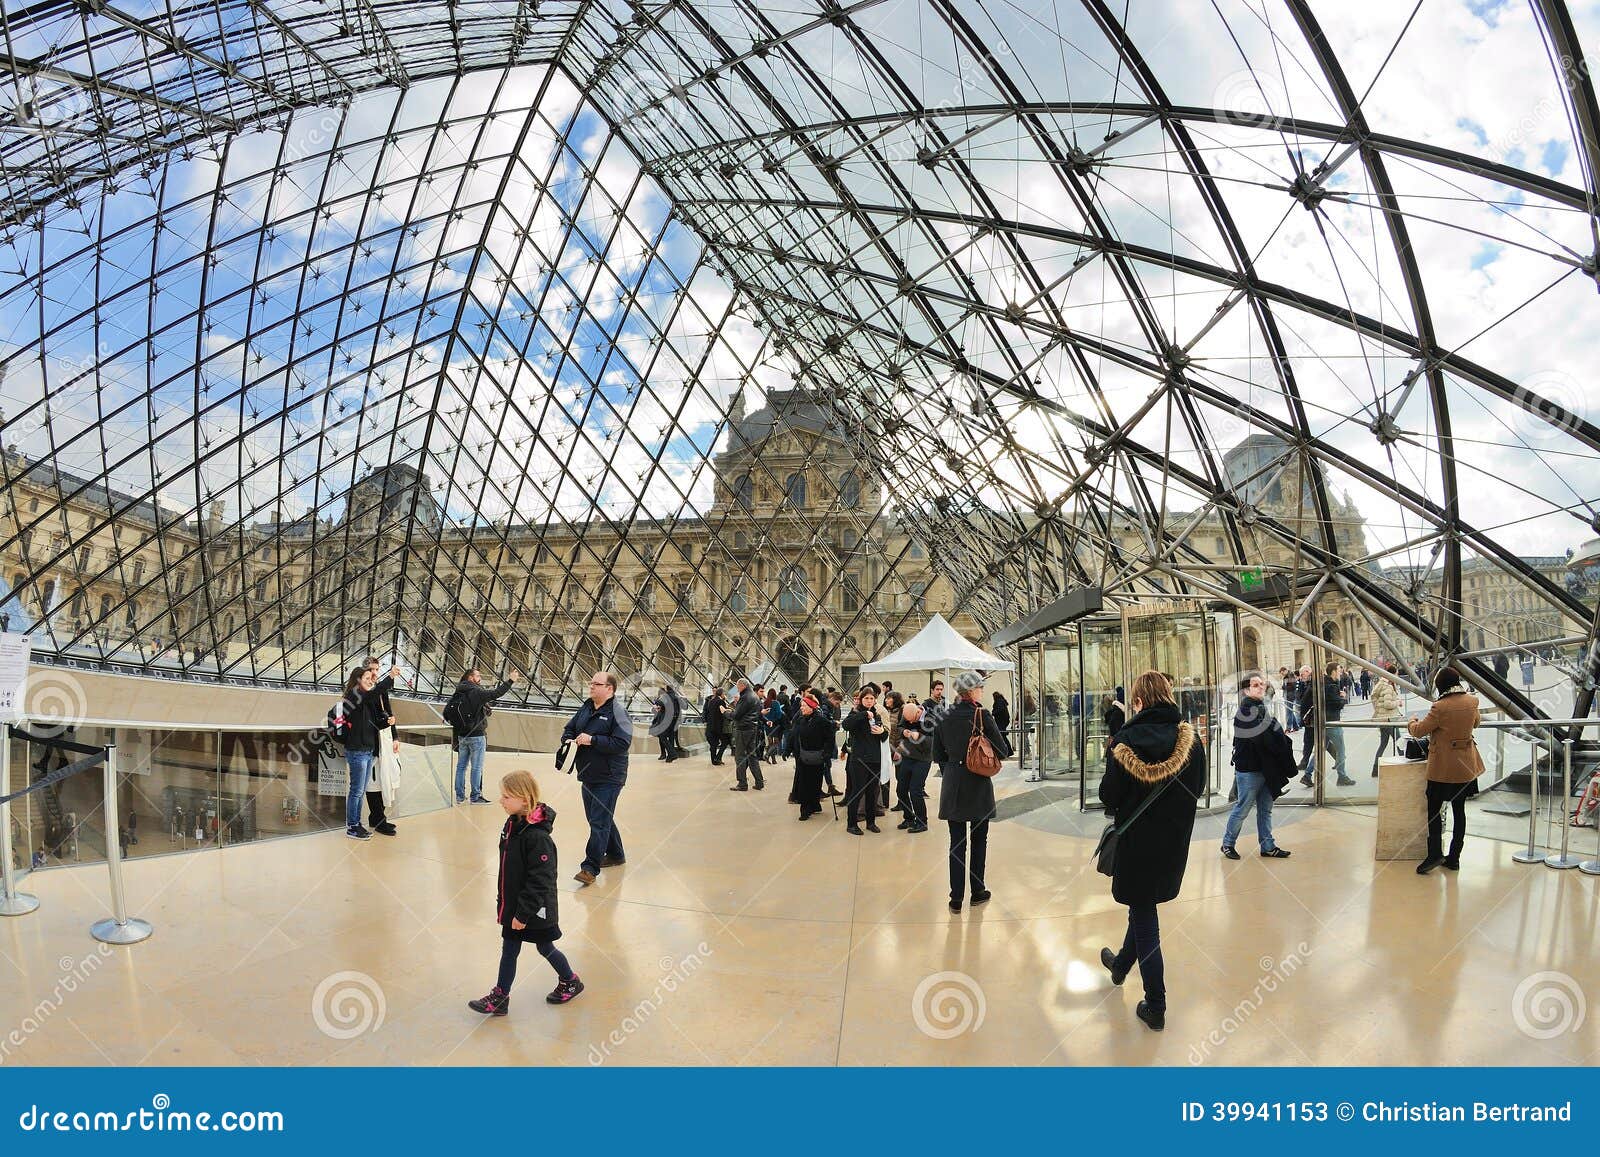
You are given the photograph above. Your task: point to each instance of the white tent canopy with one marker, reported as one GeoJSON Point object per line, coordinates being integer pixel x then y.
{"type": "Point", "coordinates": [937, 647]}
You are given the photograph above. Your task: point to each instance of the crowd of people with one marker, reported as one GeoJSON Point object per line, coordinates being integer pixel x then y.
{"type": "Point", "coordinates": [1155, 774]}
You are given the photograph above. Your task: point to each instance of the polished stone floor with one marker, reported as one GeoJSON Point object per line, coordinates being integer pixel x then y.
{"type": "Point", "coordinates": [735, 935]}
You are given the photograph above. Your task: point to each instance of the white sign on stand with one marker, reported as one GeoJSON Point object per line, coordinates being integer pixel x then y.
{"type": "Point", "coordinates": [333, 773]}
{"type": "Point", "coordinates": [15, 651]}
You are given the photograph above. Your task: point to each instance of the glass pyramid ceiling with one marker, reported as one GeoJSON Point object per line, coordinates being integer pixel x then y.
{"type": "Point", "coordinates": [411, 326]}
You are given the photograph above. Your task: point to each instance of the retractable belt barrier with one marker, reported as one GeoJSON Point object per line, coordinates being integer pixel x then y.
{"type": "Point", "coordinates": [118, 928]}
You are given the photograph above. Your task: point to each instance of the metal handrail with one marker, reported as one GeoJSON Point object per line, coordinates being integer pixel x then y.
{"type": "Point", "coordinates": [154, 725]}
{"type": "Point", "coordinates": [1591, 721]}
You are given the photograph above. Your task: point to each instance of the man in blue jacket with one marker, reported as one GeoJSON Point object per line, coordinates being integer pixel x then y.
{"type": "Point", "coordinates": [602, 733]}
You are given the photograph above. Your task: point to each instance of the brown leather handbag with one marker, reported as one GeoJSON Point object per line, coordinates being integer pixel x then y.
{"type": "Point", "coordinates": [981, 758]}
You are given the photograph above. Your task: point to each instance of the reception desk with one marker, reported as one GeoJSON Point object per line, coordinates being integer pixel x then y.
{"type": "Point", "coordinates": [1402, 809]}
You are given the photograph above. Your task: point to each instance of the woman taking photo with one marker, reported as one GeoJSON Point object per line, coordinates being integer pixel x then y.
{"type": "Point", "coordinates": [1454, 766]}
{"type": "Point", "coordinates": [1155, 771]}
{"type": "Point", "coordinates": [359, 720]}
{"type": "Point", "coordinates": [861, 770]}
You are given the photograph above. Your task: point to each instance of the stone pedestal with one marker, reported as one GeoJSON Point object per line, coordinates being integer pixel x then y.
{"type": "Point", "coordinates": [1402, 809]}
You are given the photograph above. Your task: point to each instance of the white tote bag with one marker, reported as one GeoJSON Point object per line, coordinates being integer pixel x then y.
{"type": "Point", "coordinates": [387, 768]}
{"type": "Point", "coordinates": [886, 765]}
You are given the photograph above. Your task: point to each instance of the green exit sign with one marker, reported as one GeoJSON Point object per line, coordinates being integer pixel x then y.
{"type": "Point", "coordinates": [1251, 580]}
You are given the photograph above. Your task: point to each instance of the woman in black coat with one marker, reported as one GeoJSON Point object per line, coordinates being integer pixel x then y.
{"type": "Point", "coordinates": [815, 745]}
{"type": "Point", "coordinates": [1155, 750]}
{"type": "Point", "coordinates": [966, 799]}
{"type": "Point", "coordinates": [862, 769]}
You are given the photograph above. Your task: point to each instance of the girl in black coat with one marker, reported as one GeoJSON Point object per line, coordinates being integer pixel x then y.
{"type": "Point", "coordinates": [525, 894]}
{"type": "Point", "coordinates": [862, 769]}
{"type": "Point", "coordinates": [1155, 750]}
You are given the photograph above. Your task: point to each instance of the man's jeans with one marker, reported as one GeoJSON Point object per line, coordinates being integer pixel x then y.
{"type": "Point", "coordinates": [1253, 793]}
{"type": "Point", "coordinates": [360, 772]}
{"type": "Point", "coordinates": [600, 809]}
{"type": "Point", "coordinates": [1333, 742]}
{"type": "Point", "coordinates": [472, 749]}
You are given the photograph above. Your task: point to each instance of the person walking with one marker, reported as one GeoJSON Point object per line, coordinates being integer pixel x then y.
{"type": "Point", "coordinates": [915, 758]}
{"type": "Point", "coordinates": [383, 788]}
{"type": "Point", "coordinates": [1001, 710]}
{"type": "Point", "coordinates": [714, 713]}
{"type": "Point", "coordinates": [602, 732]}
{"type": "Point", "coordinates": [1263, 762]}
{"type": "Point", "coordinates": [468, 712]}
{"type": "Point", "coordinates": [665, 724]}
{"type": "Point", "coordinates": [526, 900]}
{"type": "Point", "coordinates": [863, 767]}
{"type": "Point", "coordinates": [1155, 752]}
{"type": "Point", "coordinates": [357, 721]}
{"type": "Point", "coordinates": [1454, 766]}
{"type": "Point", "coordinates": [1328, 696]}
{"type": "Point", "coordinates": [966, 799]}
{"type": "Point", "coordinates": [1113, 713]}
{"type": "Point", "coordinates": [1289, 691]}
{"type": "Point", "coordinates": [746, 720]}
{"type": "Point", "coordinates": [815, 745]}
{"type": "Point", "coordinates": [1386, 710]}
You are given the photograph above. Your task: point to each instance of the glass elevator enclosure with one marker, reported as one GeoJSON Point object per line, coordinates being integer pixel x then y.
{"type": "Point", "coordinates": [1071, 678]}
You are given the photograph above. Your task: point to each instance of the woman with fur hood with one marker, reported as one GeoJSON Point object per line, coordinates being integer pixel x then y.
{"type": "Point", "coordinates": [1156, 754]}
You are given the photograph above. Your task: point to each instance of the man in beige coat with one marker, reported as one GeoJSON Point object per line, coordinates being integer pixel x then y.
{"type": "Point", "coordinates": [1453, 766]}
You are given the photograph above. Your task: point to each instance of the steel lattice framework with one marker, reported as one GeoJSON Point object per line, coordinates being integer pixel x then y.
{"type": "Point", "coordinates": [1041, 270]}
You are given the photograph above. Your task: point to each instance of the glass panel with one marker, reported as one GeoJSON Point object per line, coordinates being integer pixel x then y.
{"type": "Point", "coordinates": [1061, 708]}
{"type": "Point", "coordinates": [1102, 686]}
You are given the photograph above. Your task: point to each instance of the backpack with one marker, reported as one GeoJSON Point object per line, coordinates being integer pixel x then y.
{"type": "Point", "coordinates": [452, 711]}
{"type": "Point", "coordinates": [338, 723]}
{"type": "Point", "coordinates": [981, 759]}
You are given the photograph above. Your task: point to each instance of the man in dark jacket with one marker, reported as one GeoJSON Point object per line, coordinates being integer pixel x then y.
{"type": "Point", "coordinates": [746, 720]}
{"type": "Point", "coordinates": [913, 749]}
{"type": "Point", "coordinates": [471, 702]}
{"type": "Point", "coordinates": [966, 799]}
{"type": "Point", "coordinates": [602, 733]}
{"type": "Point", "coordinates": [1325, 696]}
{"type": "Point", "coordinates": [1263, 762]}
{"type": "Point", "coordinates": [716, 724]}
{"type": "Point", "coordinates": [1155, 751]}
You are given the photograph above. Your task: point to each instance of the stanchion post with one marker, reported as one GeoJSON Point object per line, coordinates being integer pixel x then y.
{"type": "Point", "coordinates": [119, 929]}
{"type": "Point", "coordinates": [12, 902]}
{"type": "Point", "coordinates": [1529, 855]}
{"type": "Point", "coordinates": [1564, 859]}
{"type": "Point", "coordinates": [1592, 867]}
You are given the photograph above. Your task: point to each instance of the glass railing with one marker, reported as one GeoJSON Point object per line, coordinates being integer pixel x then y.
{"type": "Point", "coordinates": [1535, 776]}
{"type": "Point", "coordinates": [191, 788]}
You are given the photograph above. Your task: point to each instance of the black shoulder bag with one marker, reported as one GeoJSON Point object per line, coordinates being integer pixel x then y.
{"type": "Point", "coordinates": [1105, 851]}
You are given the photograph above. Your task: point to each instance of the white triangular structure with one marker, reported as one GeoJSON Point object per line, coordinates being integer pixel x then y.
{"type": "Point", "coordinates": [937, 647]}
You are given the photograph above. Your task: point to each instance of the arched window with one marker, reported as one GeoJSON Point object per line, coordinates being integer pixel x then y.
{"type": "Point", "coordinates": [744, 492]}
{"type": "Point", "coordinates": [736, 599]}
{"type": "Point", "coordinates": [794, 491]}
{"type": "Point", "coordinates": [794, 592]}
{"type": "Point", "coordinates": [849, 490]}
